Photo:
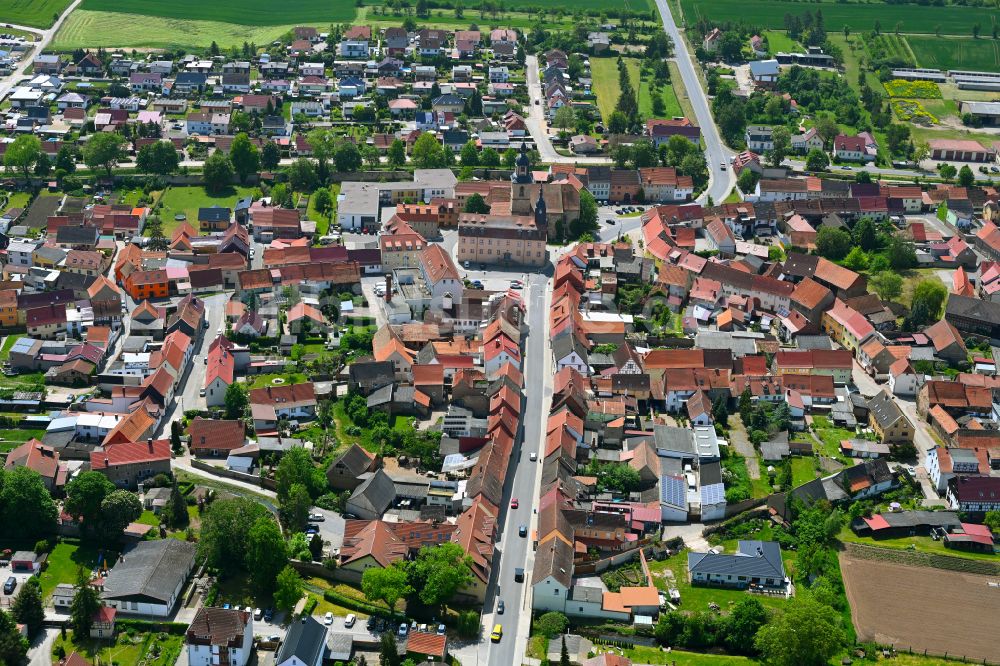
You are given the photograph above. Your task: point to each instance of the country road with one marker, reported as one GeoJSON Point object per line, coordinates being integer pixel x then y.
{"type": "Point", "coordinates": [717, 155]}
{"type": "Point", "coordinates": [8, 83]}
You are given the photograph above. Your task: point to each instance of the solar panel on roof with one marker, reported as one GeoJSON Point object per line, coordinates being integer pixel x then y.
{"type": "Point", "coordinates": [673, 491]}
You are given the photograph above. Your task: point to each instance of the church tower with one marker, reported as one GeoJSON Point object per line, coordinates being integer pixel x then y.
{"type": "Point", "coordinates": [522, 168]}
{"type": "Point", "coordinates": [541, 216]}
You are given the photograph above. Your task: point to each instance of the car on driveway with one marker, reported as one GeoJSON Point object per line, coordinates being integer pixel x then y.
{"type": "Point", "coordinates": [403, 629]}
{"type": "Point", "coordinates": [317, 517]}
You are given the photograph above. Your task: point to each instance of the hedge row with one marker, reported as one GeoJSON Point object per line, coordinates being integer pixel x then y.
{"type": "Point", "coordinates": [144, 626]}
{"type": "Point", "coordinates": [335, 597]}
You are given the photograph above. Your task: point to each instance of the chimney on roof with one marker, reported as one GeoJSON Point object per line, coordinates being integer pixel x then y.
{"type": "Point", "coordinates": [388, 287]}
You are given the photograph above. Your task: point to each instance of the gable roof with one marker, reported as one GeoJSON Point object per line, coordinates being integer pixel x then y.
{"type": "Point", "coordinates": [217, 434]}
{"type": "Point", "coordinates": [151, 570]}
{"type": "Point", "coordinates": [305, 640]}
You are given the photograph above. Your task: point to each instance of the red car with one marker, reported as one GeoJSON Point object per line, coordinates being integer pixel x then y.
{"type": "Point", "coordinates": [513, 503]}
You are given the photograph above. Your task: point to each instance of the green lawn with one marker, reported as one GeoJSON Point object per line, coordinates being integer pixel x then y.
{"type": "Point", "coordinates": [830, 436]}
{"type": "Point", "coordinates": [952, 19]}
{"type": "Point", "coordinates": [323, 221]}
{"type": "Point", "coordinates": [260, 381]}
{"type": "Point", "coordinates": [604, 72]}
{"type": "Point", "coordinates": [8, 343]}
{"type": "Point", "coordinates": [651, 655]}
{"type": "Point", "coordinates": [149, 518]}
{"type": "Point", "coordinates": [803, 470]}
{"type": "Point", "coordinates": [14, 437]}
{"type": "Point", "coordinates": [779, 42]}
{"type": "Point", "coordinates": [147, 649]}
{"type": "Point", "coordinates": [923, 544]}
{"type": "Point", "coordinates": [697, 598]}
{"type": "Point", "coordinates": [958, 53]}
{"type": "Point", "coordinates": [15, 200]}
{"type": "Point", "coordinates": [671, 105]}
{"type": "Point", "coordinates": [187, 201]}
{"type": "Point", "coordinates": [64, 562]}
{"type": "Point", "coordinates": [34, 13]}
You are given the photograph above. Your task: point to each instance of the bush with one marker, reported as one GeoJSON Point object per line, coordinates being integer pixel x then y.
{"type": "Point", "coordinates": [913, 89]}
{"type": "Point", "coordinates": [355, 604]}
{"type": "Point", "coordinates": [909, 110]}
{"type": "Point", "coordinates": [551, 624]}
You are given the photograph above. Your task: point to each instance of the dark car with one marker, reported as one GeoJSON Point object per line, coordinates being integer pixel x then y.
{"type": "Point", "coordinates": [522, 531]}
{"type": "Point", "coordinates": [8, 587]}
{"type": "Point", "coordinates": [500, 607]}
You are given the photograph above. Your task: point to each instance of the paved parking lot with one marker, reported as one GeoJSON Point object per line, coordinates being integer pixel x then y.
{"type": "Point", "coordinates": [7, 599]}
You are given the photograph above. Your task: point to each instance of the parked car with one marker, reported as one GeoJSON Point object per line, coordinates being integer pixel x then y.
{"type": "Point", "coordinates": [350, 619]}
{"type": "Point", "coordinates": [317, 517]}
{"type": "Point", "coordinates": [8, 587]}
{"type": "Point", "coordinates": [328, 618]}
{"type": "Point", "coordinates": [404, 629]}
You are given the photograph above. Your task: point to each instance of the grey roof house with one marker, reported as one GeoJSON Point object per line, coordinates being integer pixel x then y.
{"type": "Point", "coordinates": [755, 563]}
{"type": "Point", "coordinates": [304, 644]}
{"type": "Point", "coordinates": [148, 579]}
{"type": "Point", "coordinates": [370, 500]}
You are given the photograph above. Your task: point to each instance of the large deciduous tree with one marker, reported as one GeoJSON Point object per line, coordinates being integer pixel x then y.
{"type": "Point", "coordinates": [104, 150]}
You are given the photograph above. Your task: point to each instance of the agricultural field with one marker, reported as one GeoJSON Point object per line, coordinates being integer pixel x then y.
{"type": "Point", "coordinates": [34, 13]}
{"type": "Point", "coordinates": [890, 46]}
{"type": "Point", "coordinates": [972, 54]}
{"type": "Point", "coordinates": [91, 29]}
{"type": "Point", "coordinates": [883, 596]}
{"type": "Point", "coordinates": [244, 12]}
{"type": "Point", "coordinates": [952, 19]}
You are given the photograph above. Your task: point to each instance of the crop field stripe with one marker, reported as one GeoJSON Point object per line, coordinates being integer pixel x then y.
{"type": "Point", "coordinates": [954, 20]}
{"type": "Point", "coordinates": [34, 13]}
{"type": "Point", "coordinates": [244, 12]}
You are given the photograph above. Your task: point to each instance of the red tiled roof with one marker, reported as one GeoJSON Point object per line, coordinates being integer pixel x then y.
{"type": "Point", "coordinates": [216, 434]}
{"type": "Point", "coordinates": [130, 453]}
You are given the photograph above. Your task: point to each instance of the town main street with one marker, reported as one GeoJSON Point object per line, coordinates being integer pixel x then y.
{"type": "Point", "coordinates": [523, 483]}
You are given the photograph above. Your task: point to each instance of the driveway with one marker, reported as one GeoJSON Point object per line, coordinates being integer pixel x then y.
{"type": "Point", "coordinates": [738, 438]}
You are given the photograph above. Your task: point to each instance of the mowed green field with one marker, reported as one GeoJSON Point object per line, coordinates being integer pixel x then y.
{"type": "Point", "coordinates": [953, 20]}
{"type": "Point", "coordinates": [244, 12]}
{"type": "Point", "coordinates": [89, 29]}
{"type": "Point", "coordinates": [34, 13]}
{"type": "Point", "coordinates": [972, 54]}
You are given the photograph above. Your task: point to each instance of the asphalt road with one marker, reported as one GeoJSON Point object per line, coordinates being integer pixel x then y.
{"type": "Point", "coordinates": [717, 155]}
{"type": "Point", "coordinates": [523, 484]}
